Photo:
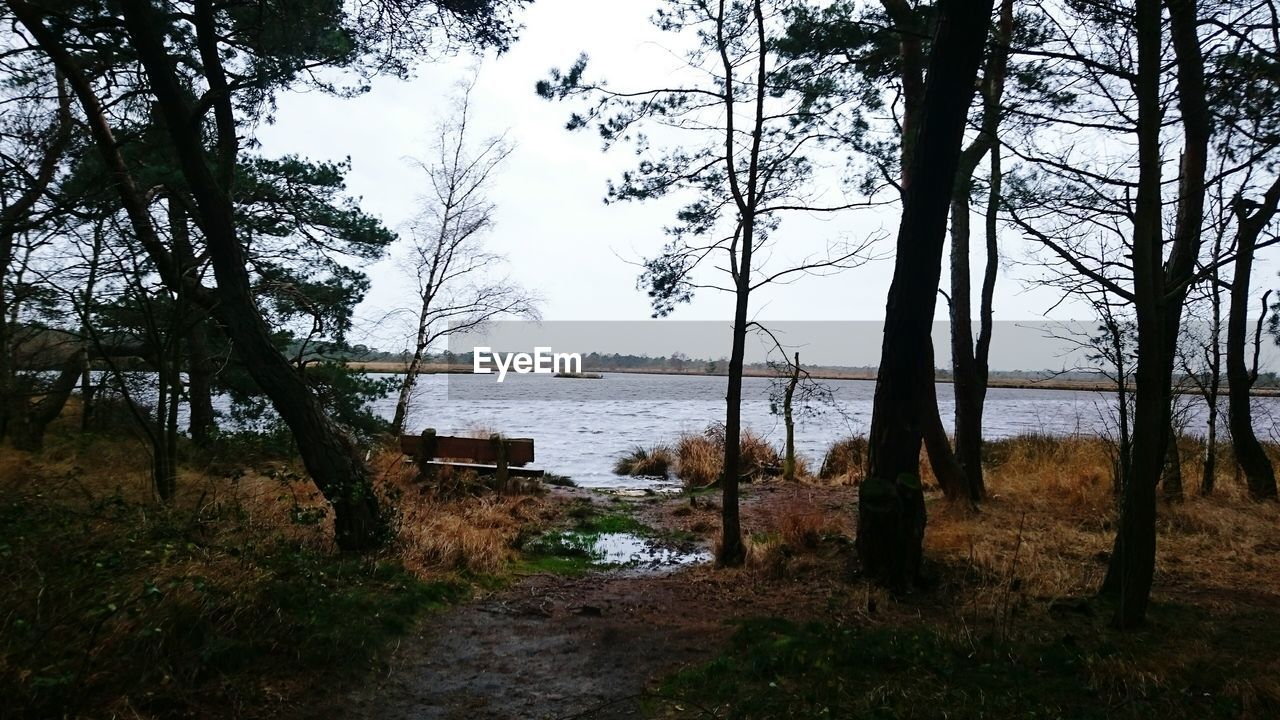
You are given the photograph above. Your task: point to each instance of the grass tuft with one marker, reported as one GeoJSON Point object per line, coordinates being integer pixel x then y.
{"type": "Point", "coordinates": [649, 462]}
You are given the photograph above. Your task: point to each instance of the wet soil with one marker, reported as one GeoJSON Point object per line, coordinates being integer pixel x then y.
{"type": "Point", "coordinates": [591, 646]}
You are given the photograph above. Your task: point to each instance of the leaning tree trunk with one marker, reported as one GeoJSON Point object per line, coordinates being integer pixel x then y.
{"type": "Point", "coordinates": [405, 395]}
{"type": "Point", "coordinates": [327, 451]}
{"type": "Point", "coordinates": [1251, 457]}
{"type": "Point", "coordinates": [891, 513]}
{"type": "Point", "coordinates": [410, 380]}
{"type": "Point", "coordinates": [32, 417]}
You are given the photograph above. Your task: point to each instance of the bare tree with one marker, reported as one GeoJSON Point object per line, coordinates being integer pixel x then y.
{"type": "Point", "coordinates": [1200, 349]}
{"type": "Point", "coordinates": [1103, 216]}
{"type": "Point", "coordinates": [748, 159]}
{"type": "Point", "coordinates": [457, 289]}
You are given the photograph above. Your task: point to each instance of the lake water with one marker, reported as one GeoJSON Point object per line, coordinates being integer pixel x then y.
{"type": "Point", "coordinates": [581, 425]}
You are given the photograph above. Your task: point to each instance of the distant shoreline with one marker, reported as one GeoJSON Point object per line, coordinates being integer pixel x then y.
{"type": "Point", "coordinates": [817, 374]}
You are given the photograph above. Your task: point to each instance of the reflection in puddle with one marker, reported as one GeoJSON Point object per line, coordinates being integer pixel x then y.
{"type": "Point", "coordinates": [617, 549]}
{"type": "Point", "coordinates": [630, 549]}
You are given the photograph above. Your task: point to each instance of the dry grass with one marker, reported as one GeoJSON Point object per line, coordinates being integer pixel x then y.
{"type": "Point", "coordinates": [845, 460]}
{"type": "Point", "coordinates": [803, 526]}
{"type": "Point", "coordinates": [699, 460]}
{"type": "Point", "coordinates": [443, 532]}
{"type": "Point", "coordinates": [700, 457]}
{"type": "Point", "coordinates": [1052, 507]}
{"type": "Point", "coordinates": [652, 462]}
{"type": "Point", "coordinates": [113, 605]}
{"type": "Point", "coordinates": [1012, 615]}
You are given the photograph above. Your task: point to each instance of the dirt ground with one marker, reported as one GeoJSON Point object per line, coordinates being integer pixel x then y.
{"type": "Point", "coordinates": [589, 646]}
{"type": "Point", "coordinates": [596, 645]}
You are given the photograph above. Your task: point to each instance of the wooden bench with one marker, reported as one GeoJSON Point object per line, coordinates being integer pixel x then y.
{"type": "Point", "coordinates": [503, 457]}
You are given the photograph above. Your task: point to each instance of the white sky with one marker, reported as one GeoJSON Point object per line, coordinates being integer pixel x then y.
{"type": "Point", "coordinates": [562, 241]}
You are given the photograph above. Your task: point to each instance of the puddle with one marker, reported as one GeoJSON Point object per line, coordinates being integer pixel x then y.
{"type": "Point", "coordinates": [631, 549]}
{"type": "Point", "coordinates": [641, 492]}
{"type": "Point", "coordinates": [619, 550]}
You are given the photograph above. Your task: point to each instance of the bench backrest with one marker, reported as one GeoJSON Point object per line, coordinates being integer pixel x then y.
{"type": "Point", "coordinates": [477, 450]}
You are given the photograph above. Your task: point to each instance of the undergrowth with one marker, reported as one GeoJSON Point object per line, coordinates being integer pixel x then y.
{"type": "Point", "coordinates": [1071, 667]}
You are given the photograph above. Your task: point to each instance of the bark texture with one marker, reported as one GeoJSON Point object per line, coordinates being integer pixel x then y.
{"type": "Point", "coordinates": [891, 513]}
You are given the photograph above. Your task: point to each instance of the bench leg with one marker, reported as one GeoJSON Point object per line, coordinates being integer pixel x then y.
{"type": "Point", "coordinates": [503, 476]}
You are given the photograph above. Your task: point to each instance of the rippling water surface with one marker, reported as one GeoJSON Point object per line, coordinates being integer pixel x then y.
{"type": "Point", "coordinates": [581, 426]}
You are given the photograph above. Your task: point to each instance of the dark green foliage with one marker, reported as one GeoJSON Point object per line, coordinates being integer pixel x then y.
{"type": "Point", "coordinates": [1071, 668]}
{"type": "Point", "coordinates": [345, 393]}
{"type": "Point", "coordinates": [119, 601]}
{"type": "Point", "coordinates": [851, 50]}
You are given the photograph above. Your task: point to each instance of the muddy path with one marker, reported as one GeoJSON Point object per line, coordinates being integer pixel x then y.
{"type": "Point", "coordinates": [589, 646]}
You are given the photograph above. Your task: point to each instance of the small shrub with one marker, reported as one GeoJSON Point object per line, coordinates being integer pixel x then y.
{"type": "Point", "coordinates": [767, 554]}
{"type": "Point", "coordinates": [700, 458]}
{"type": "Point", "coordinates": [759, 458]}
{"type": "Point", "coordinates": [656, 462]}
{"type": "Point", "coordinates": [804, 527]}
{"type": "Point", "coordinates": [845, 459]}
{"type": "Point", "coordinates": [558, 480]}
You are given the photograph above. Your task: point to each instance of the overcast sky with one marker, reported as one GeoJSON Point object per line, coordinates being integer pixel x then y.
{"type": "Point", "coordinates": [562, 241]}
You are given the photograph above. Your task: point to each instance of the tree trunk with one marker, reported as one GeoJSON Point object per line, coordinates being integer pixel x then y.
{"type": "Point", "coordinates": [968, 385]}
{"type": "Point", "coordinates": [405, 395]}
{"type": "Point", "coordinates": [937, 446]}
{"type": "Point", "coordinates": [164, 470]}
{"type": "Point", "coordinates": [732, 552]}
{"type": "Point", "coordinates": [911, 27]}
{"type": "Point", "coordinates": [891, 513]}
{"type": "Point", "coordinates": [27, 427]}
{"type": "Point", "coordinates": [328, 452]}
{"type": "Point", "coordinates": [411, 374]}
{"type": "Point", "coordinates": [969, 367]}
{"type": "Point", "coordinates": [201, 424]}
{"type": "Point", "coordinates": [789, 461]}
{"type": "Point", "coordinates": [1132, 566]}
{"type": "Point", "coordinates": [1210, 473]}
{"type": "Point", "coordinates": [9, 398]}
{"type": "Point", "coordinates": [1250, 455]}
{"type": "Point", "coordinates": [1171, 476]}
{"type": "Point", "coordinates": [200, 365]}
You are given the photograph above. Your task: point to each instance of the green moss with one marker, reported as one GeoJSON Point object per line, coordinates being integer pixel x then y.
{"type": "Point", "coordinates": [572, 550]}
{"type": "Point", "coordinates": [612, 522]}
